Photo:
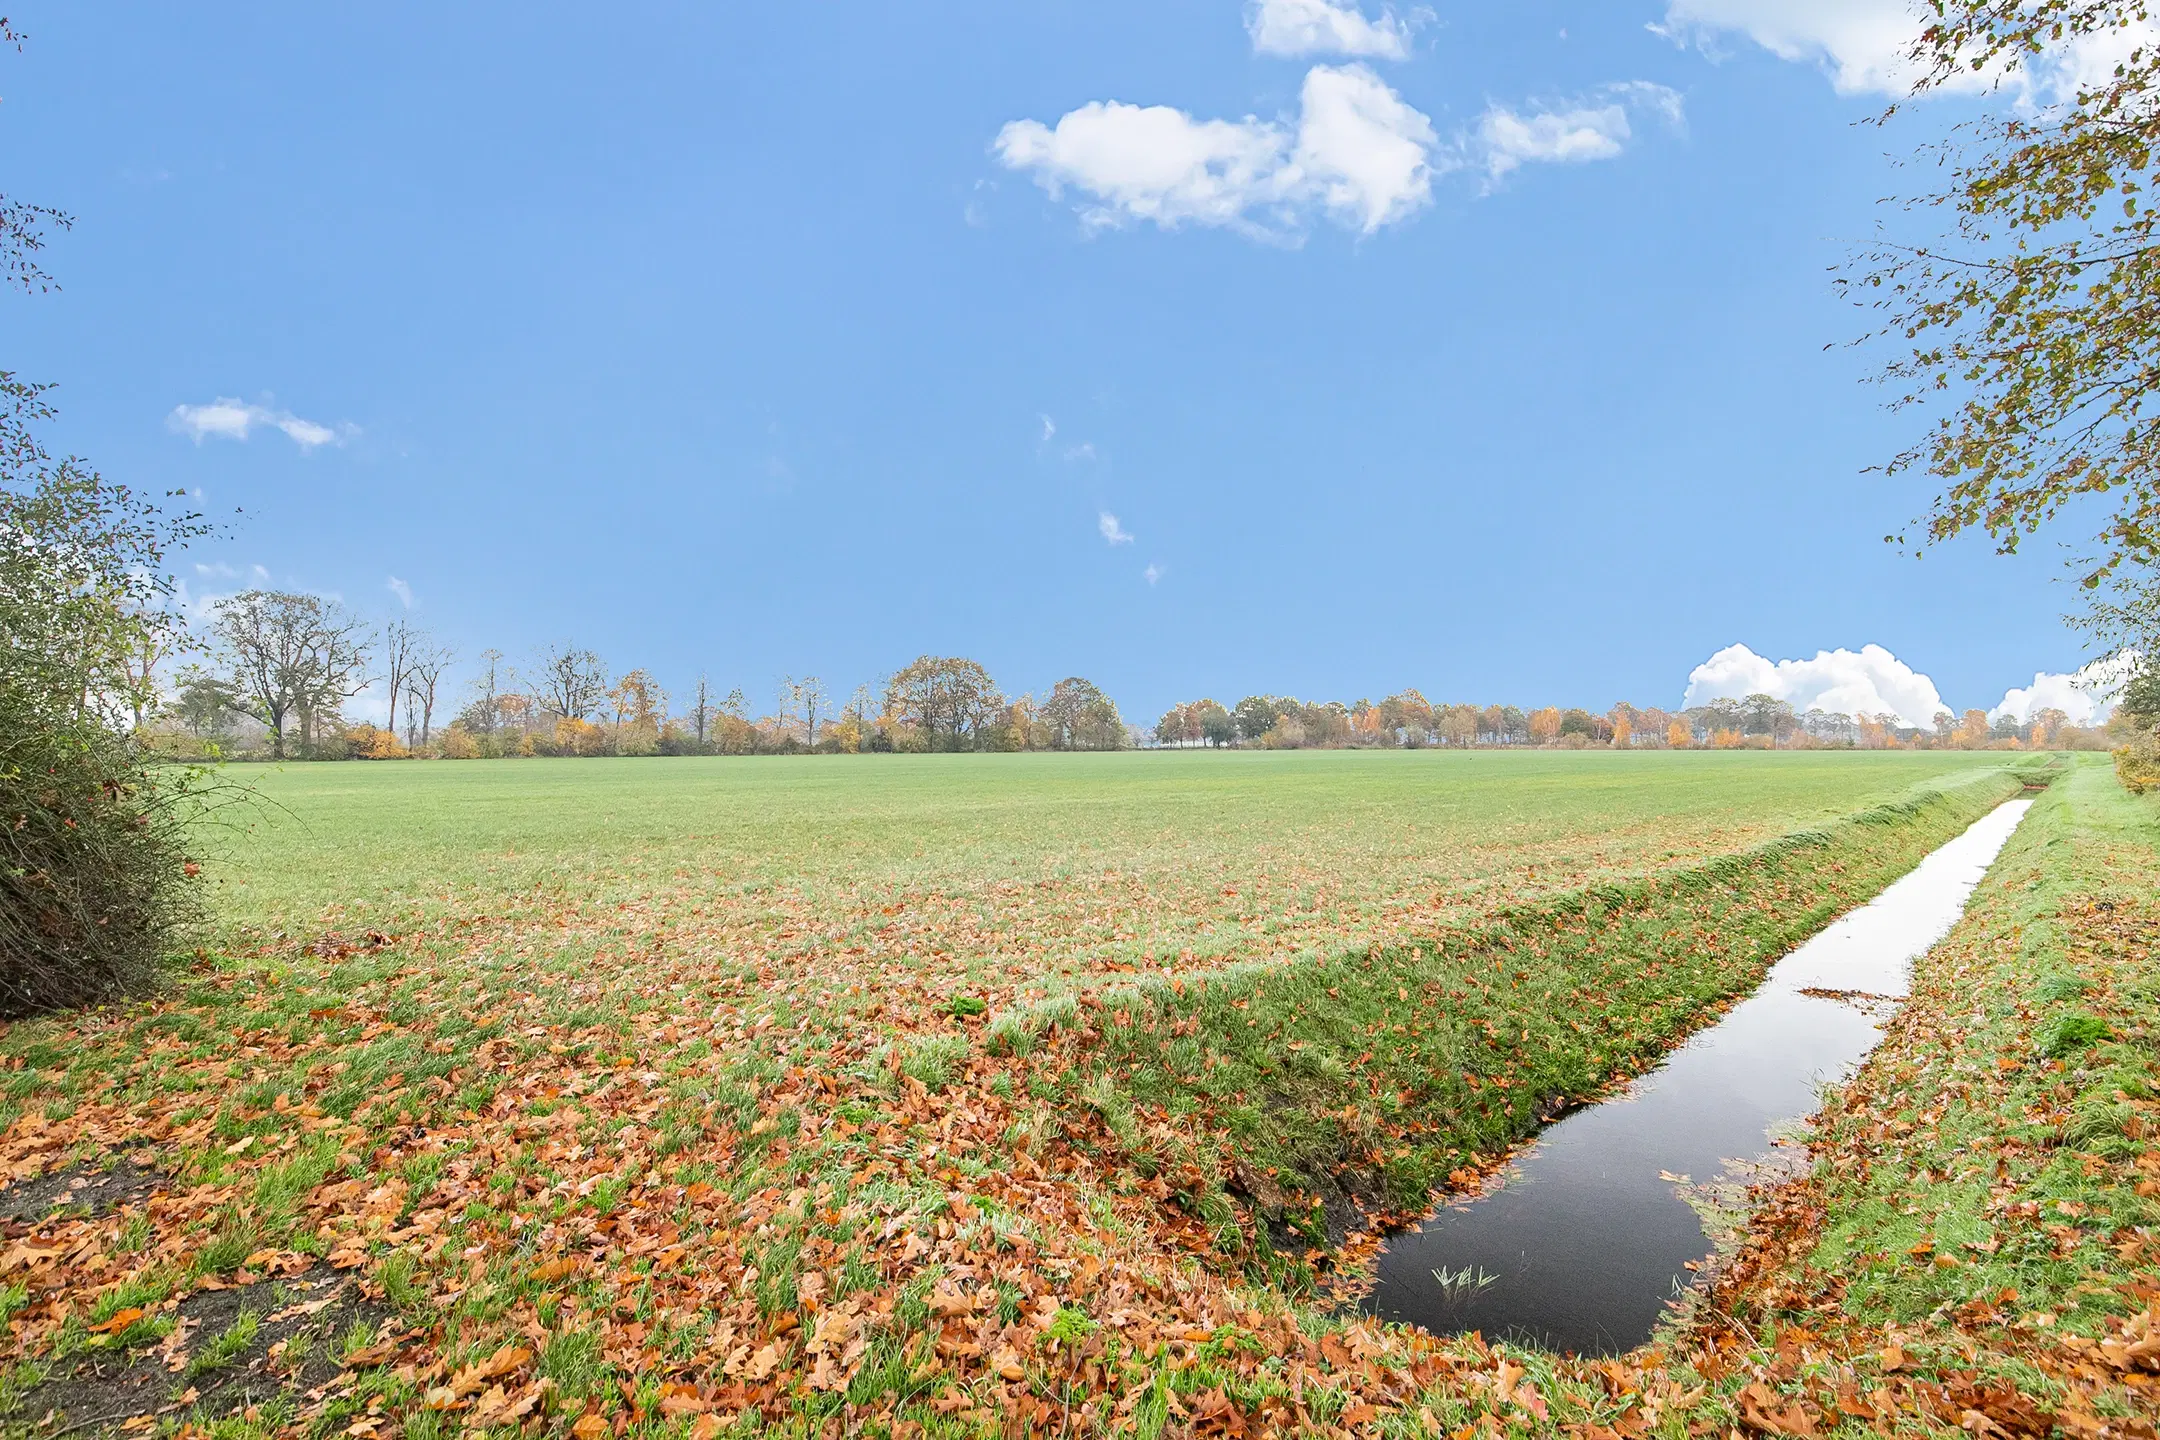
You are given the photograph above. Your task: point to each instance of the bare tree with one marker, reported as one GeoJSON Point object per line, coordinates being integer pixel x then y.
{"type": "Point", "coordinates": [784, 699]}
{"type": "Point", "coordinates": [399, 641]}
{"type": "Point", "coordinates": [291, 655]}
{"type": "Point", "coordinates": [487, 692]}
{"type": "Point", "coordinates": [810, 697]}
{"type": "Point", "coordinates": [261, 633]}
{"type": "Point", "coordinates": [422, 677]}
{"type": "Point", "coordinates": [334, 664]}
{"type": "Point", "coordinates": [572, 682]}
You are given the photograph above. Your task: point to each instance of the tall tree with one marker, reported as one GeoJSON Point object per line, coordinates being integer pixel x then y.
{"type": "Point", "coordinates": [1080, 717]}
{"type": "Point", "coordinates": [399, 640]}
{"type": "Point", "coordinates": [423, 674]}
{"type": "Point", "coordinates": [202, 700]}
{"type": "Point", "coordinates": [949, 698]}
{"type": "Point", "coordinates": [2031, 309]}
{"type": "Point", "coordinates": [809, 695]}
{"type": "Point", "coordinates": [1255, 716]}
{"type": "Point", "coordinates": [291, 655]}
{"type": "Point", "coordinates": [486, 690]}
{"type": "Point", "coordinates": [261, 631]}
{"type": "Point", "coordinates": [701, 709]}
{"type": "Point", "coordinates": [572, 681]}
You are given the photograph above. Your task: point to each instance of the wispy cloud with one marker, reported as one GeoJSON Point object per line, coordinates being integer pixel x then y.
{"type": "Point", "coordinates": [228, 419]}
{"type": "Point", "coordinates": [1321, 27]}
{"type": "Point", "coordinates": [1866, 46]}
{"type": "Point", "coordinates": [1113, 532]}
{"type": "Point", "coordinates": [1596, 127]}
{"type": "Point", "coordinates": [1083, 451]}
{"type": "Point", "coordinates": [1154, 572]}
{"type": "Point", "coordinates": [1049, 429]}
{"type": "Point", "coordinates": [400, 589]}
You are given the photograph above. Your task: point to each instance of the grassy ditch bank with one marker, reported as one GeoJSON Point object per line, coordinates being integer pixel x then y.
{"type": "Point", "coordinates": [1977, 1246]}
{"type": "Point", "coordinates": [1370, 1080]}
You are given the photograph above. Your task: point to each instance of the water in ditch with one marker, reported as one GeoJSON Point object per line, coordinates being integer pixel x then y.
{"type": "Point", "coordinates": [1588, 1237]}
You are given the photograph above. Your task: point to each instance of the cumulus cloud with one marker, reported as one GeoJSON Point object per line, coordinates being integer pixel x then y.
{"type": "Point", "coordinates": [1320, 27]}
{"type": "Point", "coordinates": [1869, 681]}
{"type": "Point", "coordinates": [2087, 697]}
{"type": "Point", "coordinates": [1358, 152]}
{"type": "Point", "coordinates": [1113, 532]}
{"type": "Point", "coordinates": [400, 589]}
{"type": "Point", "coordinates": [1864, 45]}
{"type": "Point", "coordinates": [1595, 128]}
{"type": "Point", "coordinates": [1363, 152]}
{"type": "Point", "coordinates": [228, 419]}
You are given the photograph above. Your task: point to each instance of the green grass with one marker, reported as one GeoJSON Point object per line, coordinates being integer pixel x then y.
{"type": "Point", "coordinates": [1382, 1072]}
{"type": "Point", "coordinates": [1984, 1200]}
{"type": "Point", "coordinates": [1017, 868]}
{"type": "Point", "coordinates": [750, 1040]}
{"type": "Point", "coordinates": [2025, 1074]}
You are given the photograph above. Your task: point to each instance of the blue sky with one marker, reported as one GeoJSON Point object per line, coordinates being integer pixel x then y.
{"type": "Point", "coordinates": [1479, 348]}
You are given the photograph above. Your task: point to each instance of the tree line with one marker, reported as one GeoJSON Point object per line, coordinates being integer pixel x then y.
{"type": "Point", "coordinates": [1408, 721]}
{"type": "Point", "coordinates": [280, 670]}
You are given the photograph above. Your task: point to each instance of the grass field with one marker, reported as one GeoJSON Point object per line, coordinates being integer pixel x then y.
{"type": "Point", "coordinates": [929, 1095]}
{"type": "Point", "coordinates": [998, 871]}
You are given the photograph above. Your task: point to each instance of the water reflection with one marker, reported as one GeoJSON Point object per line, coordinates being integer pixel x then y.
{"type": "Point", "coordinates": [1589, 1238]}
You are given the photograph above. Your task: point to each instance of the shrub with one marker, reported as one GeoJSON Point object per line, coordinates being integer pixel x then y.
{"type": "Point", "coordinates": [369, 743]}
{"type": "Point", "coordinates": [95, 886]}
{"type": "Point", "coordinates": [458, 744]}
{"type": "Point", "coordinates": [2137, 764]}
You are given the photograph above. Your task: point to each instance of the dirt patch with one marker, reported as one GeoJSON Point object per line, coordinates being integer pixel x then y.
{"type": "Point", "coordinates": [212, 1354]}
{"type": "Point", "coordinates": [79, 1191]}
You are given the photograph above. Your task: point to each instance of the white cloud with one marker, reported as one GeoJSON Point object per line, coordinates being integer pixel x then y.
{"type": "Point", "coordinates": [1320, 27]}
{"type": "Point", "coordinates": [1597, 128]}
{"type": "Point", "coordinates": [1864, 46]}
{"type": "Point", "coordinates": [2087, 697]}
{"type": "Point", "coordinates": [1151, 162]}
{"type": "Point", "coordinates": [1085, 450]}
{"type": "Point", "coordinates": [1049, 429]}
{"type": "Point", "coordinates": [1363, 151]}
{"type": "Point", "coordinates": [1870, 681]}
{"type": "Point", "coordinates": [228, 419]}
{"type": "Point", "coordinates": [1358, 153]}
{"type": "Point", "coordinates": [1154, 572]}
{"type": "Point", "coordinates": [400, 589]}
{"type": "Point", "coordinates": [1113, 532]}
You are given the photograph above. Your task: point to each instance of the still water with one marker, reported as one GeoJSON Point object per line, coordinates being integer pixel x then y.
{"type": "Point", "coordinates": [1588, 1237]}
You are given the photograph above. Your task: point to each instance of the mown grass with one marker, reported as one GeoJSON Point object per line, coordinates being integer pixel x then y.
{"type": "Point", "coordinates": [1005, 870]}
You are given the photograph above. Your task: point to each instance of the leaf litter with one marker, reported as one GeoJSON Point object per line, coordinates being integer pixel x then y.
{"type": "Point", "coordinates": [613, 1187]}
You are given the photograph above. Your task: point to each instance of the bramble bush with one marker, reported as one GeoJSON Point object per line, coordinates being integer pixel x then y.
{"type": "Point", "coordinates": [94, 877]}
